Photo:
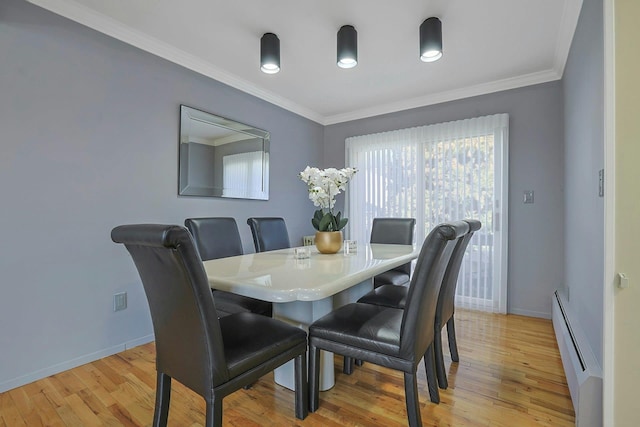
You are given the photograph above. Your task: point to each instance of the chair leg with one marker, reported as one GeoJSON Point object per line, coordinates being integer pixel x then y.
{"type": "Point", "coordinates": [453, 346]}
{"type": "Point", "coordinates": [163, 395]}
{"type": "Point", "coordinates": [314, 377]}
{"type": "Point", "coordinates": [439, 359]}
{"type": "Point", "coordinates": [214, 413]}
{"type": "Point", "coordinates": [302, 390]}
{"type": "Point", "coordinates": [347, 366]}
{"type": "Point", "coordinates": [430, 367]}
{"type": "Point", "coordinates": [411, 397]}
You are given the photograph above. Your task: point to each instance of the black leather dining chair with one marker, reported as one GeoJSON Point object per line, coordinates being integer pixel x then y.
{"type": "Point", "coordinates": [269, 233]}
{"type": "Point", "coordinates": [391, 337]}
{"type": "Point", "coordinates": [211, 356]}
{"type": "Point", "coordinates": [218, 237]}
{"type": "Point", "coordinates": [395, 231]}
{"type": "Point", "coordinates": [446, 306]}
{"type": "Point", "coordinates": [396, 297]}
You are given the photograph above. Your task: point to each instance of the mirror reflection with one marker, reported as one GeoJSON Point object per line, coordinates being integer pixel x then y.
{"type": "Point", "coordinates": [222, 158]}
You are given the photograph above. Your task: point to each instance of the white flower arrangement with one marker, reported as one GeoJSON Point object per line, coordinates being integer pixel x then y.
{"type": "Point", "coordinates": [324, 185]}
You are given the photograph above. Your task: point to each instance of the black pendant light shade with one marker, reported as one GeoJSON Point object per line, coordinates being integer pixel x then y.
{"type": "Point", "coordinates": [269, 53]}
{"type": "Point", "coordinates": [431, 40]}
{"type": "Point", "coordinates": [347, 47]}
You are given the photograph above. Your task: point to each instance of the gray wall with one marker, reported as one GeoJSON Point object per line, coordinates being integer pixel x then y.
{"type": "Point", "coordinates": [89, 140]}
{"type": "Point", "coordinates": [584, 157]}
{"type": "Point", "coordinates": [202, 166]}
{"type": "Point", "coordinates": [536, 155]}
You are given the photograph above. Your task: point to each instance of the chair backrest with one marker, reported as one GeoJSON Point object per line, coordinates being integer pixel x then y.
{"type": "Point", "coordinates": [269, 233]}
{"type": "Point", "coordinates": [446, 298]}
{"type": "Point", "coordinates": [417, 328]}
{"type": "Point", "coordinates": [215, 237]}
{"type": "Point", "coordinates": [394, 231]}
{"type": "Point", "coordinates": [187, 333]}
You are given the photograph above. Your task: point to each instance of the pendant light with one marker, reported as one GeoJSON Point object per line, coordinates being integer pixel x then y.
{"type": "Point", "coordinates": [431, 40]}
{"type": "Point", "coordinates": [269, 53]}
{"type": "Point", "coordinates": [347, 47]}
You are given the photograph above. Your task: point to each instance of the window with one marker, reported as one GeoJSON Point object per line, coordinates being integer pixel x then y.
{"type": "Point", "coordinates": [440, 173]}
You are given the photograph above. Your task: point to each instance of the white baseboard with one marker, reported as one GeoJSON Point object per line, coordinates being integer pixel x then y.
{"type": "Point", "coordinates": [139, 341]}
{"type": "Point", "coordinates": [69, 364]}
{"type": "Point", "coordinates": [581, 368]}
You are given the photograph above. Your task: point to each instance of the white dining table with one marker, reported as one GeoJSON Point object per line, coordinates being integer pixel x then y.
{"type": "Point", "coordinates": [303, 290]}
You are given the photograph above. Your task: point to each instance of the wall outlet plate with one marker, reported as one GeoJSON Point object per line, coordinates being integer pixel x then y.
{"type": "Point", "coordinates": [119, 301]}
{"type": "Point", "coordinates": [528, 196]}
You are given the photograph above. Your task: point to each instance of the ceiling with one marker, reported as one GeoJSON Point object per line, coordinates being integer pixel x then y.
{"type": "Point", "coordinates": [489, 45]}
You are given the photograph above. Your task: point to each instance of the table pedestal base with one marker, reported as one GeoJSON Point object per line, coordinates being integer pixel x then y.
{"type": "Point", "coordinates": [304, 313]}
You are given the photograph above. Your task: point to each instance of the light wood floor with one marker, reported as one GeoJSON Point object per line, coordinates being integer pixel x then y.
{"type": "Point", "coordinates": [510, 374]}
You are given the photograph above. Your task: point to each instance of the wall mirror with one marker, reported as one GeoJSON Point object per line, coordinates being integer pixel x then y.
{"type": "Point", "coordinates": [222, 158]}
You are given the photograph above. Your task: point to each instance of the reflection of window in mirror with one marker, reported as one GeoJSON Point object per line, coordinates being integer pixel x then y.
{"type": "Point", "coordinates": [222, 158]}
{"type": "Point", "coordinates": [242, 174]}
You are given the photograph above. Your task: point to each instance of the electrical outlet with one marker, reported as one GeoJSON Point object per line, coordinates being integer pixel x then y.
{"type": "Point", "coordinates": [308, 240]}
{"type": "Point", "coordinates": [528, 196]}
{"type": "Point", "coordinates": [119, 301]}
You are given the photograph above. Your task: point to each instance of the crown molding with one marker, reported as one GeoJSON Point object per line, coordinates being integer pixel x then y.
{"type": "Point", "coordinates": [568, 24]}
{"type": "Point", "coordinates": [451, 95]}
{"type": "Point", "coordinates": [106, 25]}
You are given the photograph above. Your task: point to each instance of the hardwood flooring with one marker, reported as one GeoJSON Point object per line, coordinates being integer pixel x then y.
{"type": "Point", "coordinates": [509, 374]}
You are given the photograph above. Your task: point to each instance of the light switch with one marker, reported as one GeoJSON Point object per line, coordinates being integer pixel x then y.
{"type": "Point", "coordinates": [623, 281]}
{"type": "Point", "coordinates": [528, 196]}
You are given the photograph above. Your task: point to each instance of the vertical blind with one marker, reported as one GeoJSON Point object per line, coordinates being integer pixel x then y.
{"type": "Point", "coordinates": [242, 174]}
{"type": "Point", "coordinates": [439, 173]}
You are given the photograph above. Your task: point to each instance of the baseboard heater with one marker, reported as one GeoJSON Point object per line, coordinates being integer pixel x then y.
{"type": "Point", "coordinates": [584, 374]}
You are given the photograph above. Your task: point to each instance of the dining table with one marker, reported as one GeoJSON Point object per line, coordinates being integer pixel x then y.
{"type": "Point", "coordinates": [304, 285]}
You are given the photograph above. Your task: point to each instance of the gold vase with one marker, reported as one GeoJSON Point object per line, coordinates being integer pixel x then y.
{"type": "Point", "coordinates": [328, 242]}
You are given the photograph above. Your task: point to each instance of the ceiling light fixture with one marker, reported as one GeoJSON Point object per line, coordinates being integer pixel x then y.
{"type": "Point", "coordinates": [347, 47]}
{"type": "Point", "coordinates": [269, 53]}
{"type": "Point", "coordinates": [431, 40]}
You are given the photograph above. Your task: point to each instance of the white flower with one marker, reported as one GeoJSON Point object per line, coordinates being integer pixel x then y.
{"type": "Point", "coordinates": [325, 185]}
